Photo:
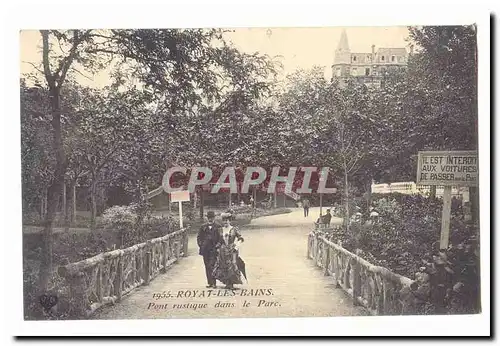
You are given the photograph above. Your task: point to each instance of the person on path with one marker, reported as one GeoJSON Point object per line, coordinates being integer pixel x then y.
{"type": "Point", "coordinates": [306, 205]}
{"type": "Point", "coordinates": [226, 266]}
{"type": "Point", "coordinates": [327, 218]}
{"type": "Point", "coordinates": [208, 240]}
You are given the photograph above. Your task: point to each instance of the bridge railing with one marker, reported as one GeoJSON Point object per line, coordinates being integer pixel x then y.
{"type": "Point", "coordinates": [106, 278]}
{"type": "Point", "coordinates": [376, 288]}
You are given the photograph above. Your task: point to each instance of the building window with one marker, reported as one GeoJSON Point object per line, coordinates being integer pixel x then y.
{"type": "Point", "coordinates": [382, 58]}
{"type": "Point", "coordinates": [338, 71]}
{"type": "Point", "coordinates": [354, 71]}
{"type": "Point", "coordinates": [354, 58]}
{"type": "Point", "coordinates": [367, 71]}
{"type": "Point", "coordinates": [393, 58]}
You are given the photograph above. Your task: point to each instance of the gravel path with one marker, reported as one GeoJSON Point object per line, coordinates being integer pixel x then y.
{"type": "Point", "coordinates": [282, 282]}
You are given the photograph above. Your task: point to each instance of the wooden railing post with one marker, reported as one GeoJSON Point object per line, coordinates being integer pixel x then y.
{"type": "Point", "coordinates": [385, 297]}
{"type": "Point", "coordinates": [185, 244]}
{"type": "Point", "coordinates": [118, 284]}
{"type": "Point", "coordinates": [318, 251]}
{"type": "Point", "coordinates": [99, 283]}
{"type": "Point", "coordinates": [327, 259]}
{"type": "Point", "coordinates": [164, 246]}
{"type": "Point", "coordinates": [356, 284]}
{"type": "Point", "coordinates": [177, 249]}
{"type": "Point", "coordinates": [346, 273]}
{"type": "Point", "coordinates": [337, 269]}
{"type": "Point", "coordinates": [147, 268]}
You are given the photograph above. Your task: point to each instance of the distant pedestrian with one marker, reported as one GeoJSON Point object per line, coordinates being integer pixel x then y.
{"type": "Point", "coordinates": [306, 204]}
{"type": "Point", "coordinates": [327, 218]}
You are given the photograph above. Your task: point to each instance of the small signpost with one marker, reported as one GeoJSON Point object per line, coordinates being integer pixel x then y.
{"type": "Point", "coordinates": [180, 196]}
{"type": "Point", "coordinates": [447, 168]}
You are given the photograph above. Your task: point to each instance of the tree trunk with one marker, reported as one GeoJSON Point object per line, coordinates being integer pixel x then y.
{"type": "Point", "coordinates": [369, 194]}
{"type": "Point", "coordinates": [54, 191]}
{"type": "Point", "coordinates": [474, 203]}
{"type": "Point", "coordinates": [66, 207]}
{"type": "Point", "coordinates": [43, 204]}
{"type": "Point", "coordinates": [93, 204]}
{"type": "Point", "coordinates": [320, 204]}
{"type": "Point", "coordinates": [63, 209]}
{"type": "Point", "coordinates": [346, 181]}
{"type": "Point", "coordinates": [73, 202]}
{"type": "Point", "coordinates": [69, 207]}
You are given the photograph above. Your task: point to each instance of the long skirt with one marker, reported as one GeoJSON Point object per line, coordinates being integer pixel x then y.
{"type": "Point", "coordinates": [226, 269]}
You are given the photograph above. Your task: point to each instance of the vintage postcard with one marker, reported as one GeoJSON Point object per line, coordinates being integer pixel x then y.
{"type": "Point", "coordinates": [255, 172]}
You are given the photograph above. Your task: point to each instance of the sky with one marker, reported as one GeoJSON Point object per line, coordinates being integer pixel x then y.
{"type": "Point", "coordinates": [298, 47]}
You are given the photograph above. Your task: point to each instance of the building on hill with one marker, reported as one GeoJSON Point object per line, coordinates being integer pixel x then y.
{"type": "Point", "coordinates": [367, 67]}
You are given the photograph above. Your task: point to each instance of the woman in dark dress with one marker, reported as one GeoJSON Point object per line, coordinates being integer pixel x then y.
{"type": "Point", "coordinates": [226, 268]}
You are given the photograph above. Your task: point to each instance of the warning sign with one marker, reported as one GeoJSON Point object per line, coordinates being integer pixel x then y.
{"type": "Point", "coordinates": [447, 168]}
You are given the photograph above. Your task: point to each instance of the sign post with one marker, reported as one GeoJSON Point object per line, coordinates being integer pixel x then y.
{"type": "Point", "coordinates": [180, 196]}
{"type": "Point", "coordinates": [320, 204]}
{"type": "Point", "coordinates": [445, 219]}
{"type": "Point", "coordinates": [447, 168]}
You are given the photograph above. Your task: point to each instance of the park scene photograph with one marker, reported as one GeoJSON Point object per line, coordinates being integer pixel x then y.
{"type": "Point", "coordinates": [250, 172]}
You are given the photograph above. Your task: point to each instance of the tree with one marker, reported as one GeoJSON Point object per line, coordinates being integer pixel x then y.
{"type": "Point", "coordinates": [175, 66]}
{"type": "Point", "coordinates": [35, 147]}
{"type": "Point", "coordinates": [55, 70]}
{"type": "Point", "coordinates": [447, 70]}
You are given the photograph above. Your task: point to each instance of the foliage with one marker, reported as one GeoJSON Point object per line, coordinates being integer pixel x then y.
{"type": "Point", "coordinates": [406, 241]}
{"type": "Point", "coordinates": [36, 157]}
{"type": "Point", "coordinates": [188, 97]}
{"type": "Point", "coordinates": [134, 224]}
{"type": "Point", "coordinates": [119, 217]}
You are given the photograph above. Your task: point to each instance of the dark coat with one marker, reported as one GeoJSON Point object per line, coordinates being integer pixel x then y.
{"type": "Point", "coordinates": [209, 238]}
{"type": "Point", "coordinates": [327, 218]}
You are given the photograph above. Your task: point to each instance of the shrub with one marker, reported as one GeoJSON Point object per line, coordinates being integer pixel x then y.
{"type": "Point", "coordinates": [119, 216]}
{"type": "Point", "coordinates": [406, 241]}
{"type": "Point", "coordinates": [155, 227]}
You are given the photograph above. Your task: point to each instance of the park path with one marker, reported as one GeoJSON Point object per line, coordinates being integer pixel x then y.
{"type": "Point", "coordinates": [275, 256]}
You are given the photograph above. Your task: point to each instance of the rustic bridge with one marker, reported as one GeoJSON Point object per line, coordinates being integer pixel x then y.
{"type": "Point", "coordinates": [164, 278]}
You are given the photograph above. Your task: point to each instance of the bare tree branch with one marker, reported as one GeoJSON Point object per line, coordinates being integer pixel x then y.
{"type": "Point", "coordinates": [46, 62]}
{"type": "Point", "coordinates": [34, 66]}
{"type": "Point", "coordinates": [80, 73]}
{"type": "Point", "coordinates": [66, 62]}
{"type": "Point", "coordinates": [355, 161]}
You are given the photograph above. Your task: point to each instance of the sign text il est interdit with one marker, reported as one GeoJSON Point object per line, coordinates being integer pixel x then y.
{"type": "Point", "coordinates": [447, 168]}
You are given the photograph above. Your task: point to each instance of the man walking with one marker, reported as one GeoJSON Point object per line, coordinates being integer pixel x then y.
{"type": "Point", "coordinates": [208, 238]}
{"type": "Point", "coordinates": [305, 205]}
